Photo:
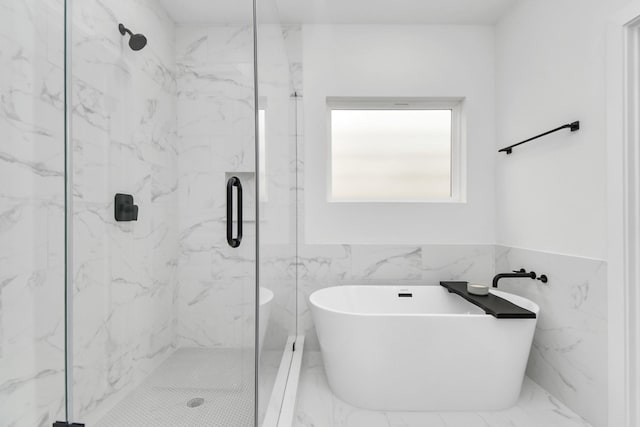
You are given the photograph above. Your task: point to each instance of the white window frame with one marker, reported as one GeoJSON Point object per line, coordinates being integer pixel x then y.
{"type": "Point", "coordinates": [458, 163]}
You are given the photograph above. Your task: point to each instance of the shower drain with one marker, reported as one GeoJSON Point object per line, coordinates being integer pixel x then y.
{"type": "Point", "coordinates": [195, 402]}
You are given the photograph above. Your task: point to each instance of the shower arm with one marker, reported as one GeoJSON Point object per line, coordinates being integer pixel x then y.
{"type": "Point", "coordinates": [124, 30]}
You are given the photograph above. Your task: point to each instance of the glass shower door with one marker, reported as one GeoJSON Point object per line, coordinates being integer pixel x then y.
{"type": "Point", "coordinates": [162, 134]}
{"type": "Point", "coordinates": [278, 71]}
{"type": "Point", "coordinates": [32, 324]}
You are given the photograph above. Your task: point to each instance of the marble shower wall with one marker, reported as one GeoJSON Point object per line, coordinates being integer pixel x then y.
{"type": "Point", "coordinates": [215, 110]}
{"type": "Point", "coordinates": [31, 212]}
{"type": "Point", "coordinates": [123, 141]}
{"type": "Point", "coordinates": [569, 353]}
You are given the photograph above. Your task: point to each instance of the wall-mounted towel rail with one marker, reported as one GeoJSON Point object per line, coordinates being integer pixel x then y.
{"type": "Point", "coordinates": [573, 126]}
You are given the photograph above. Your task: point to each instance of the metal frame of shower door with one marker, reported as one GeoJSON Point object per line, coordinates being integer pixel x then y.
{"type": "Point", "coordinates": [257, 207]}
{"type": "Point", "coordinates": [623, 192]}
{"type": "Point", "coordinates": [68, 226]}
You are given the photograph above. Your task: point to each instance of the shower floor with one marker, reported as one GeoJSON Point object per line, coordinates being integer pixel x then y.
{"type": "Point", "coordinates": [222, 379]}
{"type": "Point", "coordinates": [318, 406]}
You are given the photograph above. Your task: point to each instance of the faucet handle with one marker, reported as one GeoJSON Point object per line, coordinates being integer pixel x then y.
{"type": "Point", "coordinates": [522, 270]}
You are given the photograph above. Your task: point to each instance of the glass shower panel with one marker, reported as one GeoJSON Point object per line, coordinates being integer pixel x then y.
{"type": "Point", "coordinates": [163, 126]}
{"type": "Point", "coordinates": [32, 381]}
{"type": "Point", "coordinates": [276, 59]}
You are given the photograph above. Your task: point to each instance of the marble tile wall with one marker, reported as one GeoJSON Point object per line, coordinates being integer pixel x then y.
{"type": "Point", "coordinates": [123, 132]}
{"type": "Point", "coordinates": [31, 212]}
{"type": "Point", "coordinates": [215, 110]}
{"type": "Point", "coordinates": [569, 354]}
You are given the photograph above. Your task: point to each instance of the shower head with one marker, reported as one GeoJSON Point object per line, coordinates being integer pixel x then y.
{"type": "Point", "coordinates": [136, 41]}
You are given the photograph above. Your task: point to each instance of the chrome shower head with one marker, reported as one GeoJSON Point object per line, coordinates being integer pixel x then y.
{"type": "Point", "coordinates": [136, 41]}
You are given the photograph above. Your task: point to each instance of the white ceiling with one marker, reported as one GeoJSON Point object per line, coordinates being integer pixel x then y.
{"type": "Point", "coordinates": [341, 11]}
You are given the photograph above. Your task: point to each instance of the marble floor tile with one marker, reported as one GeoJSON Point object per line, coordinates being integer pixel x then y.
{"type": "Point", "coordinates": [317, 406]}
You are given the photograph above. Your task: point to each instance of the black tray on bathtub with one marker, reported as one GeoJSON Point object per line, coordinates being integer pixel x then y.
{"type": "Point", "coordinates": [491, 304]}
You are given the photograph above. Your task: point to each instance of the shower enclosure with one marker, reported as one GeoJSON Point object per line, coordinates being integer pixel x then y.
{"type": "Point", "coordinates": [155, 141]}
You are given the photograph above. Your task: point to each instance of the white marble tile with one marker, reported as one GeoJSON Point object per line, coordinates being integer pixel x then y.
{"type": "Point", "coordinates": [31, 213]}
{"type": "Point", "coordinates": [215, 117]}
{"type": "Point", "coordinates": [317, 406]}
{"type": "Point", "coordinates": [315, 400]}
{"type": "Point", "coordinates": [473, 263]}
{"type": "Point", "coordinates": [319, 266]}
{"type": "Point", "coordinates": [124, 141]}
{"type": "Point", "coordinates": [569, 353]}
{"type": "Point", "coordinates": [383, 263]}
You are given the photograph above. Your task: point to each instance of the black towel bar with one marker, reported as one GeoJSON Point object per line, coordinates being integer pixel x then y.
{"type": "Point", "coordinates": [573, 126]}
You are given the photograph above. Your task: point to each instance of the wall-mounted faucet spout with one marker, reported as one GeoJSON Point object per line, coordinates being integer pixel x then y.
{"type": "Point", "coordinates": [520, 273]}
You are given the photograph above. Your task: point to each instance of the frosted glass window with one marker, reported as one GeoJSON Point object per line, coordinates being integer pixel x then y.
{"type": "Point", "coordinates": [391, 155]}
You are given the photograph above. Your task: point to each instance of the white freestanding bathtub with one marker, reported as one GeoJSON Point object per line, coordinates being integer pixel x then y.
{"type": "Point", "coordinates": [434, 351]}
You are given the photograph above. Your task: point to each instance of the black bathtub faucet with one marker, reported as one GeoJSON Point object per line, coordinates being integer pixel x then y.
{"type": "Point", "coordinates": [519, 273]}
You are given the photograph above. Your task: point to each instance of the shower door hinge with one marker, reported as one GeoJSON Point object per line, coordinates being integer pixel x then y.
{"type": "Point", "coordinates": [294, 346]}
{"type": "Point", "coordinates": [66, 424]}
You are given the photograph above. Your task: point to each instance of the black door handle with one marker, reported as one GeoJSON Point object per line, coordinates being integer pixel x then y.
{"type": "Point", "coordinates": [234, 181]}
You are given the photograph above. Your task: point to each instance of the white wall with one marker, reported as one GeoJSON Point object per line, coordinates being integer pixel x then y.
{"type": "Point", "coordinates": [550, 71]}
{"type": "Point", "coordinates": [402, 61]}
{"type": "Point", "coordinates": [551, 193]}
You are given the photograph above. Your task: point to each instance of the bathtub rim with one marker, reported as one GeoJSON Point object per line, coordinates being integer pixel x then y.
{"type": "Point", "coordinates": [528, 304]}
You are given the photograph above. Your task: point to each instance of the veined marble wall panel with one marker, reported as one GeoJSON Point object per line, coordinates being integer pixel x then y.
{"type": "Point", "coordinates": [31, 212]}
{"type": "Point", "coordinates": [569, 353]}
{"type": "Point", "coordinates": [215, 110]}
{"type": "Point", "coordinates": [124, 141]}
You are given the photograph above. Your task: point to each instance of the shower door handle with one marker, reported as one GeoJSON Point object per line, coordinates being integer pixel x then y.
{"type": "Point", "coordinates": [234, 181]}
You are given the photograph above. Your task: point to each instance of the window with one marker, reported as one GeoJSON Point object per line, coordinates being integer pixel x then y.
{"type": "Point", "coordinates": [394, 150]}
